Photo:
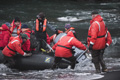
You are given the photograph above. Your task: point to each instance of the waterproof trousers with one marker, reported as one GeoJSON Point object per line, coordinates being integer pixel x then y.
{"type": "Point", "coordinates": [97, 59]}
{"type": "Point", "coordinates": [58, 60]}
{"type": "Point", "coordinates": [9, 61]}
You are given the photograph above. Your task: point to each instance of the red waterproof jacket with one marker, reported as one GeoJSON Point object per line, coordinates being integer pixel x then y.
{"type": "Point", "coordinates": [96, 33]}
{"type": "Point", "coordinates": [52, 38]}
{"type": "Point", "coordinates": [26, 45]}
{"type": "Point", "coordinates": [13, 45]}
{"type": "Point", "coordinates": [4, 35]}
{"type": "Point", "coordinates": [69, 42]}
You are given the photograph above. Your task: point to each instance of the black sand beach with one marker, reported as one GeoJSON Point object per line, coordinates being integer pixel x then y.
{"type": "Point", "coordinates": [115, 75]}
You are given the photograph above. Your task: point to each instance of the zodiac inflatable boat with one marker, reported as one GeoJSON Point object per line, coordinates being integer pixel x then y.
{"type": "Point", "coordinates": [38, 61]}
{"type": "Point", "coordinates": [41, 61]}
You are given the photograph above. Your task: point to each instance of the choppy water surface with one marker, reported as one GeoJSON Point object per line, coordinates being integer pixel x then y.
{"type": "Point", "coordinates": [58, 13]}
{"type": "Point", "coordinates": [83, 71]}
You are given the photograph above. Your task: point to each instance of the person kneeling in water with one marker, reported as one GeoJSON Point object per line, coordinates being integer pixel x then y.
{"type": "Point", "coordinates": [12, 48]}
{"type": "Point", "coordinates": [63, 50]}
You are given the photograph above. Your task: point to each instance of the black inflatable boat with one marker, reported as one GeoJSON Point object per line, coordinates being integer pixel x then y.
{"type": "Point", "coordinates": [38, 61]}
{"type": "Point", "coordinates": [42, 60]}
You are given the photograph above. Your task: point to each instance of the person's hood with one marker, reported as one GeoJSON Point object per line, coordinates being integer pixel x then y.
{"type": "Point", "coordinates": [70, 33]}
{"type": "Point", "coordinates": [97, 18]}
{"type": "Point", "coordinates": [5, 27]}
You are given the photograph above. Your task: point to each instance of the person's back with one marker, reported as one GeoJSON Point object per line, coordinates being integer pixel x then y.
{"type": "Point", "coordinates": [69, 42]}
{"type": "Point", "coordinates": [13, 46]}
{"type": "Point", "coordinates": [63, 49]}
{"type": "Point", "coordinates": [4, 35]}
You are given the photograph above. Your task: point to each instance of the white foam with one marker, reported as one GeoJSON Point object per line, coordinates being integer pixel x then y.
{"type": "Point", "coordinates": [68, 19]}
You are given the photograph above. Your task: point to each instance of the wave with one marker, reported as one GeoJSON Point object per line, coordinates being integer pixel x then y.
{"type": "Point", "coordinates": [68, 19]}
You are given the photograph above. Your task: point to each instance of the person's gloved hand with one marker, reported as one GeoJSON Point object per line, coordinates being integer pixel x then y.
{"type": "Point", "coordinates": [106, 46]}
{"type": "Point", "coordinates": [27, 54]}
{"type": "Point", "coordinates": [90, 47]}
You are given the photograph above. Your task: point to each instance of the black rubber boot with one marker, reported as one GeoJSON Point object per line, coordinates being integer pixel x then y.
{"type": "Point", "coordinates": [97, 67]}
{"type": "Point", "coordinates": [98, 71]}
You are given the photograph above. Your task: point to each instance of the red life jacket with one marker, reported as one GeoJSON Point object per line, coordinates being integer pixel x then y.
{"type": "Point", "coordinates": [13, 26]}
{"type": "Point", "coordinates": [44, 25]}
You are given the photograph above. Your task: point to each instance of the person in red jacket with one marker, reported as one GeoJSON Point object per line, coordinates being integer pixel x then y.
{"type": "Point", "coordinates": [70, 30]}
{"type": "Point", "coordinates": [12, 48]}
{"type": "Point", "coordinates": [26, 46]}
{"type": "Point", "coordinates": [63, 50]}
{"type": "Point", "coordinates": [16, 27]}
{"type": "Point", "coordinates": [97, 41]}
{"type": "Point", "coordinates": [52, 38]}
{"type": "Point", "coordinates": [4, 35]}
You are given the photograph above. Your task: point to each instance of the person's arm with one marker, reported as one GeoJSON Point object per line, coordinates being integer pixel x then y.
{"type": "Point", "coordinates": [17, 46]}
{"type": "Point", "coordinates": [54, 47]}
{"type": "Point", "coordinates": [20, 51]}
{"type": "Point", "coordinates": [94, 33]}
{"type": "Point", "coordinates": [6, 39]}
{"type": "Point", "coordinates": [77, 44]}
{"type": "Point", "coordinates": [51, 27]}
{"type": "Point", "coordinates": [108, 39]}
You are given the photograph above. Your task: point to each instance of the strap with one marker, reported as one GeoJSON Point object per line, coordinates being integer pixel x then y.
{"type": "Point", "coordinates": [98, 36]}
{"type": "Point", "coordinates": [64, 47]}
{"type": "Point", "coordinates": [11, 49]}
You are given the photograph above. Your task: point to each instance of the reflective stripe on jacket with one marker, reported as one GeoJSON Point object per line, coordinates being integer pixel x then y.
{"type": "Point", "coordinates": [52, 38]}
{"type": "Point", "coordinates": [108, 38]}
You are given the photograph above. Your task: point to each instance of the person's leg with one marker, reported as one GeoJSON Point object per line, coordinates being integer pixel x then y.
{"type": "Point", "coordinates": [73, 61]}
{"type": "Point", "coordinates": [1, 48]}
{"type": "Point", "coordinates": [102, 62]}
{"type": "Point", "coordinates": [40, 44]}
{"type": "Point", "coordinates": [95, 60]}
{"type": "Point", "coordinates": [56, 62]}
{"type": "Point", "coordinates": [9, 61]}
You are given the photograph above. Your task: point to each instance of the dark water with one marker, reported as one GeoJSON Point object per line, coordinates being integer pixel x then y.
{"type": "Point", "coordinates": [58, 13]}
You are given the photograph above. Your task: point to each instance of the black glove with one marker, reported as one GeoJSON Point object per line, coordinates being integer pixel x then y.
{"type": "Point", "coordinates": [90, 47]}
